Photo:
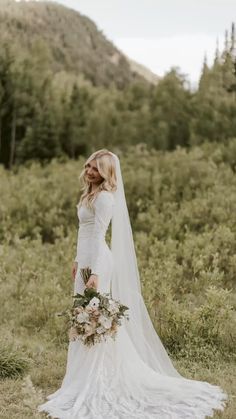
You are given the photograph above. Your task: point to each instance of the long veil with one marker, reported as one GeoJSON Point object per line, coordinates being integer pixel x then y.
{"type": "Point", "coordinates": [126, 287]}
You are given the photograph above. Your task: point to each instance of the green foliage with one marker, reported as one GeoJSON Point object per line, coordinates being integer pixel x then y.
{"type": "Point", "coordinates": [48, 201]}
{"type": "Point", "coordinates": [182, 206]}
{"type": "Point", "coordinates": [170, 112]}
{"type": "Point", "coordinates": [66, 90]}
{"type": "Point", "coordinates": [12, 362]}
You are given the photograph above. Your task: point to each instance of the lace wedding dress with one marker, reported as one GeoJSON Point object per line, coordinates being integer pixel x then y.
{"type": "Point", "coordinates": [110, 380]}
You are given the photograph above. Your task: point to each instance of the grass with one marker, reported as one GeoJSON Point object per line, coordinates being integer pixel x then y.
{"type": "Point", "coordinates": [20, 397]}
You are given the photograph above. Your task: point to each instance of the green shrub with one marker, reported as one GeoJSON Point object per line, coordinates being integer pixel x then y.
{"type": "Point", "coordinates": [183, 213]}
{"type": "Point", "coordinates": [12, 362]}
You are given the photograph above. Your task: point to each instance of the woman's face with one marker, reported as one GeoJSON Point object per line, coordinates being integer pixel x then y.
{"type": "Point", "coordinates": [92, 173]}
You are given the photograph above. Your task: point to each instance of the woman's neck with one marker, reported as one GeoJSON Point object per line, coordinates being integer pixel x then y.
{"type": "Point", "coordinates": [94, 186]}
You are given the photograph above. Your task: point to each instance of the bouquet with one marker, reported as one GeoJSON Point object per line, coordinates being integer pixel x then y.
{"type": "Point", "coordinates": [94, 316]}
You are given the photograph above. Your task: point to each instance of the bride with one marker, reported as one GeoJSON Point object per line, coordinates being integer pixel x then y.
{"type": "Point", "coordinates": [131, 377]}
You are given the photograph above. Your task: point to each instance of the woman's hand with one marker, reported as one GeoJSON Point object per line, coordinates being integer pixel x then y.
{"type": "Point", "coordinates": [74, 269]}
{"type": "Point", "coordinates": [92, 282]}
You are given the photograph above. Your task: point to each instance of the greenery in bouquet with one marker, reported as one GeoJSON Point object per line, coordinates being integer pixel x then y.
{"type": "Point", "coordinates": [94, 316]}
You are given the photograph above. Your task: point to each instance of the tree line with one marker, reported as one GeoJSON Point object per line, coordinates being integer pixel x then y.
{"type": "Point", "coordinates": [45, 114]}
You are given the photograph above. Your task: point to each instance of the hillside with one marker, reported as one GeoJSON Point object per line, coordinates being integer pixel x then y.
{"type": "Point", "coordinates": [70, 41]}
{"type": "Point", "coordinates": [144, 71]}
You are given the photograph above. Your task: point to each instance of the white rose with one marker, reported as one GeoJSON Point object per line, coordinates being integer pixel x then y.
{"type": "Point", "coordinates": [105, 322]}
{"type": "Point", "coordinates": [94, 303]}
{"type": "Point", "coordinates": [83, 317]}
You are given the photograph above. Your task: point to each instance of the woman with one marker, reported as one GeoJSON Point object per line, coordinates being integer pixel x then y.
{"type": "Point", "coordinates": [131, 377]}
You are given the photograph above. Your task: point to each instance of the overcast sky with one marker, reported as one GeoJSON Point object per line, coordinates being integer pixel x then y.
{"type": "Point", "coordinates": [162, 33]}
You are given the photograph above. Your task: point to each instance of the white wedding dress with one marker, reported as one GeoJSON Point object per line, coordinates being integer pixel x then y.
{"type": "Point", "coordinates": [110, 380]}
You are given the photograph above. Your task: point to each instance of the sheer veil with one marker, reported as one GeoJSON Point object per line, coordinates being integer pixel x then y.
{"type": "Point", "coordinates": [126, 286]}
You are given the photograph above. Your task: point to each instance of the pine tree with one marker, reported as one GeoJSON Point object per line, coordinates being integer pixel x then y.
{"type": "Point", "coordinates": [229, 61]}
{"type": "Point", "coordinates": [217, 53]}
{"type": "Point", "coordinates": [7, 106]}
{"type": "Point", "coordinates": [204, 78]}
{"type": "Point", "coordinates": [232, 87]}
{"type": "Point", "coordinates": [74, 139]}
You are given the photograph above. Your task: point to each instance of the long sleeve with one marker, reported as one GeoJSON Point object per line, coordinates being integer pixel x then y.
{"type": "Point", "coordinates": [77, 249]}
{"type": "Point", "coordinates": [103, 206]}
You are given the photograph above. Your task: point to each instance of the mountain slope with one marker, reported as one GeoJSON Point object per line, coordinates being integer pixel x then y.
{"type": "Point", "coordinates": [143, 71]}
{"type": "Point", "coordinates": [72, 41]}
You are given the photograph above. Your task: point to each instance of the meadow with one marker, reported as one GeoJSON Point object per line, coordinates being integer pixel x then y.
{"type": "Point", "coordinates": [182, 206]}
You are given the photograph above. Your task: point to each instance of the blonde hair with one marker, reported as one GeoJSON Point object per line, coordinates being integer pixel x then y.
{"type": "Point", "coordinates": [106, 168]}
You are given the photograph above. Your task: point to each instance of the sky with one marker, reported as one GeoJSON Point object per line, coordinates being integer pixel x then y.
{"type": "Point", "coordinates": [162, 33]}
